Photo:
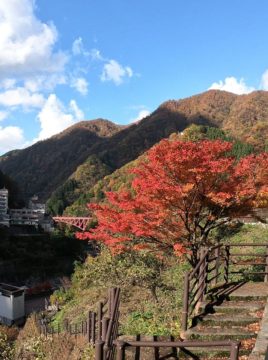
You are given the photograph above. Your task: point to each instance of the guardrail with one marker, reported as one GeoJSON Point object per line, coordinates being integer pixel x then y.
{"type": "Point", "coordinates": [216, 265]}
{"type": "Point", "coordinates": [100, 328]}
{"type": "Point", "coordinates": [258, 259]}
{"type": "Point", "coordinates": [104, 346]}
{"type": "Point", "coordinates": [121, 347]}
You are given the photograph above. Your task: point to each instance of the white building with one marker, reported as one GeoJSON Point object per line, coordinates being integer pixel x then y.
{"type": "Point", "coordinates": [12, 307]}
{"type": "Point", "coordinates": [3, 201]}
{"type": "Point", "coordinates": [4, 217]}
{"type": "Point", "coordinates": [34, 204]}
{"type": "Point", "coordinates": [25, 216]}
{"type": "Point", "coordinates": [34, 215]}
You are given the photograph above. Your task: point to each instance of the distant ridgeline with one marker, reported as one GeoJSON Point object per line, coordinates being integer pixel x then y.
{"type": "Point", "coordinates": [66, 167]}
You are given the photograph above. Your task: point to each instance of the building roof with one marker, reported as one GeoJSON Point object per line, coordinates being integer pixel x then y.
{"type": "Point", "coordinates": [9, 290]}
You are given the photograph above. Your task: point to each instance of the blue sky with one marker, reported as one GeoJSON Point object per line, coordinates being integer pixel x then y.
{"type": "Point", "coordinates": [63, 61]}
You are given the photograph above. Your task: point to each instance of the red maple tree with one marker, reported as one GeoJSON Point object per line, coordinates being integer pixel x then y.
{"type": "Point", "coordinates": [181, 191]}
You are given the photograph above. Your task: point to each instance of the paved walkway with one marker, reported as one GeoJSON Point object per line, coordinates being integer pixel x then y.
{"type": "Point", "coordinates": [251, 289]}
{"type": "Point", "coordinates": [260, 351]}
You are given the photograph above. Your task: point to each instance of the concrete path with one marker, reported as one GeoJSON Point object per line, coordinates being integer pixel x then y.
{"type": "Point", "coordinates": [257, 290]}
{"type": "Point", "coordinates": [252, 289]}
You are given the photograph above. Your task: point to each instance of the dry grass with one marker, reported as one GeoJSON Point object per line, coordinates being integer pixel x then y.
{"type": "Point", "coordinates": [30, 345]}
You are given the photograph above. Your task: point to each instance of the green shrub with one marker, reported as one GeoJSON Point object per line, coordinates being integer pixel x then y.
{"type": "Point", "coordinates": [6, 348]}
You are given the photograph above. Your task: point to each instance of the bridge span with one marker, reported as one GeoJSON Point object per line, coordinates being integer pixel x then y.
{"type": "Point", "coordinates": [79, 222]}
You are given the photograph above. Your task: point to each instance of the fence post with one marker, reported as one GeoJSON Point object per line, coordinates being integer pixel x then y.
{"type": "Point", "coordinates": [234, 350]}
{"type": "Point", "coordinates": [66, 324]}
{"type": "Point", "coordinates": [138, 349]}
{"type": "Point", "coordinates": [113, 290]}
{"type": "Point", "coordinates": [109, 302]}
{"type": "Point", "coordinates": [105, 323]}
{"type": "Point", "coordinates": [89, 326]}
{"type": "Point", "coordinates": [185, 302]}
{"type": "Point", "coordinates": [93, 327]}
{"type": "Point", "coordinates": [99, 350]}
{"type": "Point", "coordinates": [226, 265]}
{"type": "Point", "coordinates": [217, 265]}
{"type": "Point", "coordinates": [156, 349]}
{"type": "Point", "coordinates": [202, 276]}
{"type": "Point", "coordinates": [206, 262]}
{"type": "Point", "coordinates": [174, 349]}
{"type": "Point", "coordinates": [100, 314]}
{"type": "Point", "coordinates": [120, 350]}
{"type": "Point", "coordinates": [266, 267]}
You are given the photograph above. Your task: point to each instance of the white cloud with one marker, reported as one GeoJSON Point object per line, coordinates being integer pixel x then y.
{"type": "Point", "coordinates": [113, 71]}
{"type": "Point", "coordinates": [3, 115]}
{"type": "Point", "coordinates": [54, 117]}
{"type": "Point", "coordinates": [11, 137]}
{"type": "Point", "coordinates": [142, 114]}
{"type": "Point", "coordinates": [264, 80]}
{"type": "Point", "coordinates": [7, 83]}
{"type": "Point", "coordinates": [26, 43]}
{"type": "Point", "coordinates": [44, 82]}
{"type": "Point", "coordinates": [78, 113]}
{"type": "Point", "coordinates": [96, 55]}
{"type": "Point", "coordinates": [21, 97]}
{"type": "Point", "coordinates": [80, 84]}
{"type": "Point", "coordinates": [233, 85]}
{"type": "Point", "coordinates": [78, 47]}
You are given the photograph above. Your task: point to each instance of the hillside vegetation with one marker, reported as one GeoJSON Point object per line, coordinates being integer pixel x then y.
{"type": "Point", "coordinates": [8, 183]}
{"type": "Point", "coordinates": [122, 177]}
{"type": "Point", "coordinates": [151, 299]}
{"type": "Point", "coordinates": [45, 166]}
{"type": "Point", "coordinates": [42, 167]}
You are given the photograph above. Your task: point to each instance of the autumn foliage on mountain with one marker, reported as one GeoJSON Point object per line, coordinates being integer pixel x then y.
{"type": "Point", "coordinates": [181, 191]}
{"type": "Point", "coordinates": [53, 166]}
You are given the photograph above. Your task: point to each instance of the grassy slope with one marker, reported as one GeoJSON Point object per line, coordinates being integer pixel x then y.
{"type": "Point", "coordinates": [140, 313]}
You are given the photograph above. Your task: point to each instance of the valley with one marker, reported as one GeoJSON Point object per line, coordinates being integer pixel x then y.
{"type": "Point", "coordinates": [75, 171]}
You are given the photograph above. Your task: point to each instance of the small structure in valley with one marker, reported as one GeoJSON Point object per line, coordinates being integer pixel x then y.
{"type": "Point", "coordinates": [33, 215]}
{"type": "Point", "coordinates": [4, 216]}
{"type": "Point", "coordinates": [11, 304]}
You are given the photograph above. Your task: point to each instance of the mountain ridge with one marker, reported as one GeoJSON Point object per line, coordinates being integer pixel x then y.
{"type": "Point", "coordinates": [43, 166]}
{"type": "Point", "coordinates": [235, 114]}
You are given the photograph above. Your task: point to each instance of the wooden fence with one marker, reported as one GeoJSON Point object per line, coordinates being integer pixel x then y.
{"type": "Point", "coordinates": [215, 269]}
{"type": "Point", "coordinates": [100, 328]}
{"type": "Point", "coordinates": [184, 346]}
{"type": "Point", "coordinates": [217, 266]}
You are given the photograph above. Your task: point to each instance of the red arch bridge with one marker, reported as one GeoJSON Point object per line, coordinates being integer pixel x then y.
{"type": "Point", "coordinates": [79, 222]}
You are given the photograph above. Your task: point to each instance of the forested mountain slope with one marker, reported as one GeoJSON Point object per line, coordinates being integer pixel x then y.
{"type": "Point", "coordinates": [76, 159]}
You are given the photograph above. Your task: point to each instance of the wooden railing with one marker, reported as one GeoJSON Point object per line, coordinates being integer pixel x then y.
{"type": "Point", "coordinates": [121, 347]}
{"type": "Point", "coordinates": [217, 266]}
{"type": "Point", "coordinates": [104, 346]}
{"type": "Point", "coordinates": [253, 259]}
{"type": "Point", "coordinates": [100, 328]}
{"type": "Point", "coordinates": [196, 282]}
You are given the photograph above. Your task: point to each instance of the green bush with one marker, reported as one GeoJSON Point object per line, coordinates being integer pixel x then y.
{"type": "Point", "coordinates": [151, 290]}
{"type": "Point", "coordinates": [6, 348]}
